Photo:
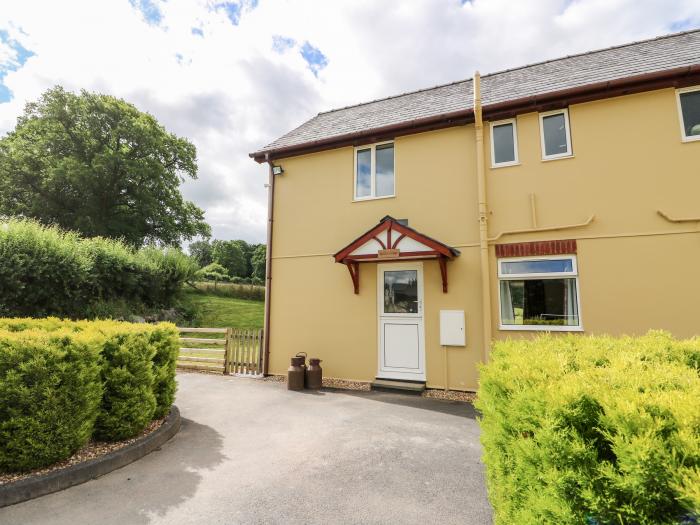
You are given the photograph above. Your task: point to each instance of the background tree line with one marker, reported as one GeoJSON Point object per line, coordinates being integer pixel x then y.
{"type": "Point", "coordinates": [235, 261]}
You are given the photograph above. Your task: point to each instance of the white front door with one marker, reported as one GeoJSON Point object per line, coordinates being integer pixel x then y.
{"type": "Point", "coordinates": [400, 306]}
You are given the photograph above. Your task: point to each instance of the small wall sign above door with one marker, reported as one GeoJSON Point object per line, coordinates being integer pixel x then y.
{"type": "Point", "coordinates": [392, 253]}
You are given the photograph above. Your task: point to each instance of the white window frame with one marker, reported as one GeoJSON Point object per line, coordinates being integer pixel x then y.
{"type": "Point", "coordinates": [373, 171]}
{"type": "Point", "coordinates": [573, 274]}
{"type": "Point", "coordinates": [679, 92]}
{"type": "Point", "coordinates": [516, 160]}
{"type": "Point", "coordinates": [569, 149]}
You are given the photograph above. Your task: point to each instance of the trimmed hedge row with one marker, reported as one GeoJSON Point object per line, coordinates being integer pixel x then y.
{"type": "Point", "coordinates": [64, 382]}
{"type": "Point", "coordinates": [592, 430]}
{"type": "Point", "coordinates": [48, 271]}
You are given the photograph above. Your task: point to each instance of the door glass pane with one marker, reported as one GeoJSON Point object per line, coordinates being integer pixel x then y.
{"type": "Point", "coordinates": [364, 173]}
{"type": "Point", "coordinates": [537, 266]}
{"type": "Point", "coordinates": [401, 292]}
{"type": "Point", "coordinates": [554, 131]}
{"type": "Point", "coordinates": [539, 302]}
{"type": "Point", "coordinates": [385, 170]}
{"type": "Point", "coordinates": [503, 144]}
{"type": "Point", "coordinates": [690, 107]}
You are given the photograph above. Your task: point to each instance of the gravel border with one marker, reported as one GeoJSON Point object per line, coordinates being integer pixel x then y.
{"type": "Point", "coordinates": [450, 395]}
{"type": "Point", "coordinates": [94, 449]}
{"type": "Point", "coordinates": [53, 479]}
{"type": "Point", "coordinates": [365, 386]}
{"type": "Point", "coordinates": [328, 382]}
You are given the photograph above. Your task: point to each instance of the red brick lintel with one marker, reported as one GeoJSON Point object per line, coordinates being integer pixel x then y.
{"type": "Point", "coordinates": [529, 249]}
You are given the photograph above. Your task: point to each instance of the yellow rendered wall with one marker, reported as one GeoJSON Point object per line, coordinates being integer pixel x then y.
{"type": "Point", "coordinates": [314, 308]}
{"type": "Point", "coordinates": [628, 162]}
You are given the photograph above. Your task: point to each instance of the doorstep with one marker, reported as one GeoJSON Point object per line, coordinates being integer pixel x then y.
{"type": "Point", "coordinates": [396, 385]}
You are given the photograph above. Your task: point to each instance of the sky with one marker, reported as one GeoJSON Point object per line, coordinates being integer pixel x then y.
{"type": "Point", "coordinates": [232, 76]}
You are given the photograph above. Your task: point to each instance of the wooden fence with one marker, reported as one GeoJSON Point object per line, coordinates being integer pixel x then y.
{"type": "Point", "coordinates": [225, 350]}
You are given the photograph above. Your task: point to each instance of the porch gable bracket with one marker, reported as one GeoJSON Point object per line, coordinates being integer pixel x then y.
{"type": "Point", "coordinates": [393, 241]}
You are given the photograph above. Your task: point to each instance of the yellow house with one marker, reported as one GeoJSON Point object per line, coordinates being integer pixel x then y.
{"type": "Point", "coordinates": [407, 233]}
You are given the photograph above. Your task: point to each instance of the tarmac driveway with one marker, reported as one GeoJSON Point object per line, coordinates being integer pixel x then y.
{"type": "Point", "coordinates": [252, 452]}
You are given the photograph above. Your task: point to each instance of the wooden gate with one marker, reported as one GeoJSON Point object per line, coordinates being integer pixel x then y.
{"type": "Point", "coordinates": [225, 350]}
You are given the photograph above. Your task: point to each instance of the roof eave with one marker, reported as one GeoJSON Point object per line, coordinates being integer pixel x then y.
{"type": "Point", "coordinates": [455, 118]}
{"type": "Point", "coordinates": [676, 77]}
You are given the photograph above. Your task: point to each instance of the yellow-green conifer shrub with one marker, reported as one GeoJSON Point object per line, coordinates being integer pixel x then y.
{"type": "Point", "coordinates": [62, 382]}
{"type": "Point", "coordinates": [50, 394]}
{"type": "Point", "coordinates": [592, 429]}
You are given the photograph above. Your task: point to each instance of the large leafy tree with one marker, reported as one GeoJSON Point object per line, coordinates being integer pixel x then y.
{"type": "Point", "coordinates": [96, 164]}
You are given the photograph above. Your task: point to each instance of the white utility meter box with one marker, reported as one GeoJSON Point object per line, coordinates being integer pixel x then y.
{"type": "Point", "coordinates": [452, 328]}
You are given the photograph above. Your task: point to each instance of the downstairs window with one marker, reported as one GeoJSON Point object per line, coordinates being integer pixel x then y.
{"type": "Point", "coordinates": [539, 293]}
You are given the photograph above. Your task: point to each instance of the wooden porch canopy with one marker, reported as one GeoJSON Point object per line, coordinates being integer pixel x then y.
{"type": "Point", "coordinates": [392, 241]}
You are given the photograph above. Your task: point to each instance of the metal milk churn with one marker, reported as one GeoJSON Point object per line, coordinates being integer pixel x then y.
{"type": "Point", "coordinates": [303, 356]}
{"type": "Point", "coordinates": [314, 374]}
{"type": "Point", "coordinates": [295, 374]}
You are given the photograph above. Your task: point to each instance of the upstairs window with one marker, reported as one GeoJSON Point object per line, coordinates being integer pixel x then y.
{"type": "Point", "coordinates": [374, 171]}
{"type": "Point", "coordinates": [689, 109]}
{"type": "Point", "coordinates": [504, 143]}
{"type": "Point", "coordinates": [539, 293]}
{"type": "Point", "coordinates": [555, 134]}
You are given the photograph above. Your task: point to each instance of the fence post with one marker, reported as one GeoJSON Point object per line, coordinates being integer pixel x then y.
{"type": "Point", "coordinates": [227, 353]}
{"type": "Point", "coordinates": [261, 352]}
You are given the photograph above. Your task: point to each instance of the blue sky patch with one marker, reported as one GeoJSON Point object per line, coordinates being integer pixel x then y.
{"type": "Point", "coordinates": [197, 31]}
{"type": "Point", "coordinates": [234, 10]}
{"type": "Point", "coordinates": [21, 56]}
{"type": "Point", "coordinates": [149, 9]}
{"type": "Point", "coordinates": [682, 25]}
{"type": "Point", "coordinates": [315, 59]}
{"type": "Point", "coordinates": [281, 43]}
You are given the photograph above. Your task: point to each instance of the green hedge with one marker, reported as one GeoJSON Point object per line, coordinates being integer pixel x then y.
{"type": "Point", "coordinates": [64, 382]}
{"type": "Point", "coordinates": [47, 271]}
{"type": "Point", "coordinates": [592, 430]}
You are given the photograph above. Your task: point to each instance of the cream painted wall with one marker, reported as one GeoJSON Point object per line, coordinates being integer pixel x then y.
{"type": "Point", "coordinates": [628, 162]}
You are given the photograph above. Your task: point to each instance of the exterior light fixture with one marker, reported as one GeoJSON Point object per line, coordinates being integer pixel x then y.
{"type": "Point", "coordinates": [277, 170]}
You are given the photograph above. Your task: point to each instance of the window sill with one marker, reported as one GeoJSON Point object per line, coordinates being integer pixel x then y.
{"type": "Point", "coordinates": [540, 328]}
{"type": "Point", "coordinates": [692, 138]}
{"type": "Point", "coordinates": [558, 158]}
{"type": "Point", "coordinates": [365, 199]}
{"type": "Point", "coordinates": [504, 165]}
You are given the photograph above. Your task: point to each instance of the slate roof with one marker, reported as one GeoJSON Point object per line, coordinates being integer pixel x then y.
{"type": "Point", "coordinates": [648, 56]}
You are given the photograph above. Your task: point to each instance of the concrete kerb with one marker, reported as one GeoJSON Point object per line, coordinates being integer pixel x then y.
{"type": "Point", "coordinates": [34, 487]}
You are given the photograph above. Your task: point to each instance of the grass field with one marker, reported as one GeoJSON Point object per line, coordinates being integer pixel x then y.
{"type": "Point", "coordinates": [227, 312]}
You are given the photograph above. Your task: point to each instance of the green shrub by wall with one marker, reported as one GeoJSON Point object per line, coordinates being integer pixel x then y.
{"type": "Point", "coordinates": [592, 429]}
{"type": "Point", "coordinates": [47, 271]}
{"type": "Point", "coordinates": [62, 382]}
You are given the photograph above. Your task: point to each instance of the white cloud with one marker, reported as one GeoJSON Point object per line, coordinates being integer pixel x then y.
{"type": "Point", "coordinates": [230, 90]}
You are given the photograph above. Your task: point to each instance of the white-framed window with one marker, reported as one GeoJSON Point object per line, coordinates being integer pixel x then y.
{"type": "Point", "coordinates": [689, 112]}
{"type": "Point", "coordinates": [555, 134]}
{"type": "Point", "coordinates": [374, 171]}
{"type": "Point", "coordinates": [539, 293]}
{"type": "Point", "coordinates": [504, 143]}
